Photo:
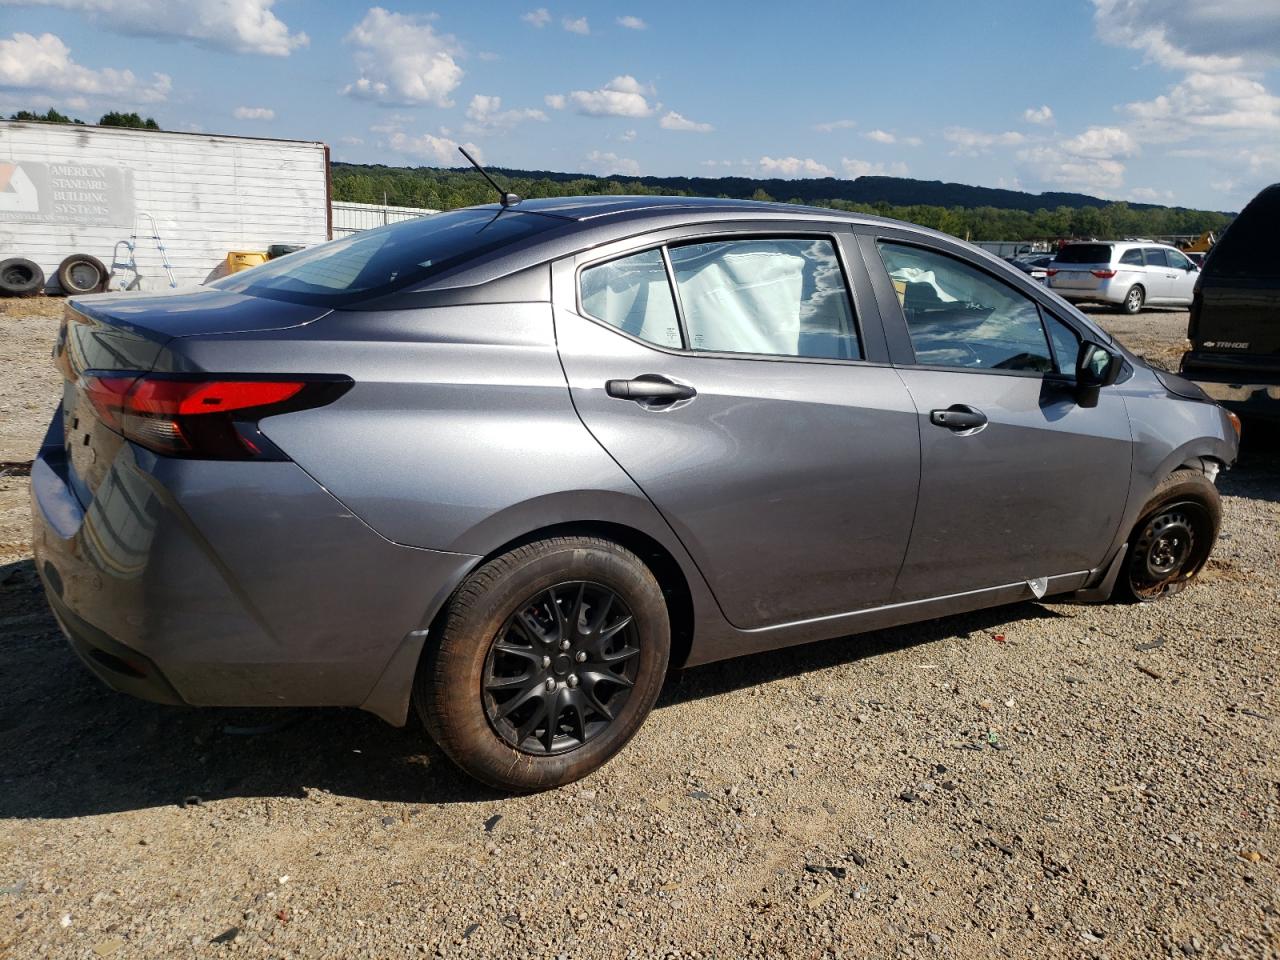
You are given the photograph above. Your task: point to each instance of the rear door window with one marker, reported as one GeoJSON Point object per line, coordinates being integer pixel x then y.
{"type": "Point", "coordinates": [780, 296]}
{"type": "Point", "coordinates": [1155, 257]}
{"type": "Point", "coordinates": [1132, 258]}
{"type": "Point", "coordinates": [633, 295]}
{"type": "Point", "coordinates": [958, 316]}
{"type": "Point", "coordinates": [1247, 250]}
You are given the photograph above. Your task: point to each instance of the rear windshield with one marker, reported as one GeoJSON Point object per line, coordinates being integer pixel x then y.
{"type": "Point", "coordinates": [1248, 248]}
{"type": "Point", "coordinates": [1085, 253]}
{"type": "Point", "coordinates": [378, 261]}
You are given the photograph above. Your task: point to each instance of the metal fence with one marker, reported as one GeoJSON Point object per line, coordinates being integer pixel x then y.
{"type": "Point", "coordinates": [351, 218]}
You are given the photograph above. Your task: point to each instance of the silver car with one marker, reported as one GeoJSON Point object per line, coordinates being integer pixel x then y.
{"type": "Point", "coordinates": [505, 466]}
{"type": "Point", "coordinates": [1129, 274]}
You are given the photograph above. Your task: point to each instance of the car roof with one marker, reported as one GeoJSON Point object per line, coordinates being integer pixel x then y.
{"type": "Point", "coordinates": [595, 207]}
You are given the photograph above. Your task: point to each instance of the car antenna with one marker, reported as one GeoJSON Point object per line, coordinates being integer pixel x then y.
{"type": "Point", "coordinates": [504, 198]}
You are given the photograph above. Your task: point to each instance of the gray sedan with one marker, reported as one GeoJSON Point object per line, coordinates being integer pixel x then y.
{"type": "Point", "coordinates": [506, 465]}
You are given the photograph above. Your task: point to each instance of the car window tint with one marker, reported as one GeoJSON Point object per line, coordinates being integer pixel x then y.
{"type": "Point", "coordinates": [633, 294]}
{"type": "Point", "coordinates": [1155, 257]}
{"type": "Point", "coordinates": [375, 262]}
{"type": "Point", "coordinates": [1066, 344]}
{"type": "Point", "coordinates": [785, 297]}
{"type": "Point", "coordinates": [959, 316]}
{"type": "Point", "coordinates": [1132, 257]}
{"type": "Point", "coordinates": [1176, 259]}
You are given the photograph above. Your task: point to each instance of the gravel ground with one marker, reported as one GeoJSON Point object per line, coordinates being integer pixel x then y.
{"type": "Point", "coordinates": [1037, 780]}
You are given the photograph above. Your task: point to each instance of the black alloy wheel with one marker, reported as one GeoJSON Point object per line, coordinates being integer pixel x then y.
{"type": "Point", "coordinates": [561, 668]}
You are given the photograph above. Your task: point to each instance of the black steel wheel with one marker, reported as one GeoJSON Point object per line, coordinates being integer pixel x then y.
{"type": "Point", "coordinates": [1164, 549]}
{"type": "Point", "coordinates": [1171, 542]}
{"type": "Point", "coordinates": [20, 277]}
{"type": "Point", "coordinates": [561, 668]}
{"type": "Point", "coordinates": [545, 662]}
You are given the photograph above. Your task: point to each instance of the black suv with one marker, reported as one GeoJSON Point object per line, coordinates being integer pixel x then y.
{"type": "Point", "coordinates": [1235, 315]}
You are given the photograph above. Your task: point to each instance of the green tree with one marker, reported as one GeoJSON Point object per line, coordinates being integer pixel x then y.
{"type": "Point", "coordinates": [115, 119]}
{"type": "Point", "coordinates": [51, 116]}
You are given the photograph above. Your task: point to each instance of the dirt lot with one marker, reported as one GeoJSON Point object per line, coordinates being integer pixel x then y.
{"type": "Point", "coordinates": [1038, 780]}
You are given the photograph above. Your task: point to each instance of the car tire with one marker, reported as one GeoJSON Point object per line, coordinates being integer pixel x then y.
{"type": "Point", "coordinates": [549, 659]}
{"type": "Point", "coordinates": [1133, 300]}
{"type": "Point", "coordinates": [1172, 541]}
{"type": "Point", "coordinates": [20, 277]}
{"type": "Point", "coordinates": [81, 273]}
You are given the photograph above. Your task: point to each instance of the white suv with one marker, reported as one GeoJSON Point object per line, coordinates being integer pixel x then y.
{"type": "Point", "coordinates": [1128, 274]}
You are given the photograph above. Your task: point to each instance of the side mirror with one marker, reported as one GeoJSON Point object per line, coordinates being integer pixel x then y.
{"type": "Point", "coordinates": [1096, 367]}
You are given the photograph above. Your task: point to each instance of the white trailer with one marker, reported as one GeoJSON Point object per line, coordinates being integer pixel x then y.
{"type": "Point", "coordinates": [77, 189]}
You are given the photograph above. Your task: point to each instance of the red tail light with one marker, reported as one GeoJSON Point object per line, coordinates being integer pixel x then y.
{"type": "Point", "coordinates": [214, 418]}
{"type": "Point", "coordinates": [1103, 274]}
{"type": "Point", "coordinates": [1051, 272]}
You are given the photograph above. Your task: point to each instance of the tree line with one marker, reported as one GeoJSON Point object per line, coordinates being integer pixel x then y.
{"type": "Point", "coordinates": [112, 119]}
{"type": "Point", "coordinates": [447, 189]}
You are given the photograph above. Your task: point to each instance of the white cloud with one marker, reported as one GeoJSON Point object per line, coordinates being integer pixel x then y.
{"type": "Point", "coordinates": [792, 167]}
{"type": "Point", "coordinates": [1151, 195]}
{"type": "Point", "coordinates": [254, 113]}
{"type": "Point", "coordinates": [402, 60]}
{"type": "Point", "coordinates": [245, 26]}
{"type": "Point", "coordinates": [627, 136]}
{"type": "Point", "coordinates": [555, 101]}
{"type": "Point", "coordinates": [832, 126]}
{"type": "Point", "coordinates": [44, 64]}
{"type": "Point", "coordinates": [910, 141]}
{"type": "Point", "coordinates": [1207, 102]}
{"type": "Point", "coordinates": [1052, 166]}
{"type": "Point", "coordinates": [578, 25]}
{"type": "Point", "coordinates": [676, 121]}
{"type": "Point", "coordinates": [971, 143]}
{"type": "Point", "coordinates": [1100, 143]}
{"type": "Point", "coordinates": [351, 141]}
{"type": "Point", "coordinates": [1209, 37]}
{"type": "Point", "coordinates": [622, 96]}
{"type": "Point", "coordinates": [632, 23]}
{"type": "Point", "coordinates": [537, 18]}
{"type": "Point", "coordinates": [486, 115]}
{"type": "Point", "coordinates": [865, 168]}
{"type": "Point", "coordinates": [880, 136]}
{"type": "Point", "coordinates": [442, 151]}
{"type": "Point", "coordinates": [605, 164]}
{"type": "Point", "coordinates": [1040, 115]}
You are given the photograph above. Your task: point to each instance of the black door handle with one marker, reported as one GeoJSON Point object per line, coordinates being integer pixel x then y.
{"type": "Point", "coordinates": [649, 387]}
{"type": "Point", "coordinates": [958, 417]}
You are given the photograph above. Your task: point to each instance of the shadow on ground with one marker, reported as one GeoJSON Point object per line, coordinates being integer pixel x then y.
{"type": "Point", "coordinates": [71, 747]}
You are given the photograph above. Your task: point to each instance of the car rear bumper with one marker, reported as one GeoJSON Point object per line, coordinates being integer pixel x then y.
{"type": "Point", "coordinates": [1104, 291]}
{"type": "Point", "coordinates": [232, 584]}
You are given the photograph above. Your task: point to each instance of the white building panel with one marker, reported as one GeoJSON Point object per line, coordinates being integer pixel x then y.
{"type": "Point", "coordinates": [82, 189]}
{"type": "Point", "coordinates": [351, 218]}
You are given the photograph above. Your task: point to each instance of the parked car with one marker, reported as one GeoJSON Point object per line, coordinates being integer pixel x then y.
{"type": "Point", "coordinates": [1235, 317]}
{"type": "Point", "coordinates": [506, 466]}
{"type": "Point", "coordinates": [1128, 274]}
{"type": "Point", "coordinates": [1036, 266]}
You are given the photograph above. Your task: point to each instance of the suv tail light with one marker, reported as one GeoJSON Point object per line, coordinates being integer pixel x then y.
{"type": "Point", "coordinates": [1051, 272]}
{"type": "Point", "coordinates": [1103, 274]}
{"type": "Point", "coordinates": [204, 418]}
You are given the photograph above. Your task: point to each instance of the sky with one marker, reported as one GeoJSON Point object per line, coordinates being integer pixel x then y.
{"type": "Point", "coordinates": [1155, 101]}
